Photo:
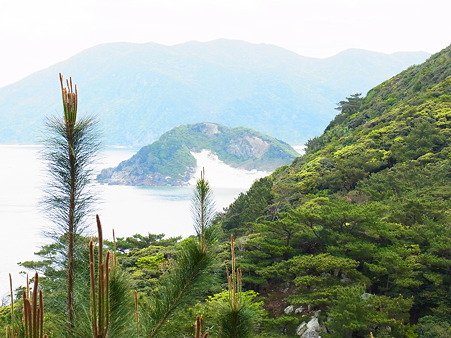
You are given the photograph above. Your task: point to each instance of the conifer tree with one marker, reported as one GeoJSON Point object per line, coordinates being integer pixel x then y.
{"type": "Point", "coordinates": [69, 151]}
{"type": "Point", "coordinates": [188, 272]}
{"type": "Point", "coordinates": [237, 318]}
{"type": "Point", "coordinates": [203, 207]}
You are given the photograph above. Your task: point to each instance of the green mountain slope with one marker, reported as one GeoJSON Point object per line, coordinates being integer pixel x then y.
{"type": "Point", "coordinates": [169, 161]}
{"type": "Point", "coordinates": [140, 91]}
{"type": "Point", "coordinates": [359, 227]}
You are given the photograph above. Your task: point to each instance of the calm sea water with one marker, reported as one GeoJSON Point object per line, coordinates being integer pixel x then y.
{"type": "Point", "coordinates": [127, 210]}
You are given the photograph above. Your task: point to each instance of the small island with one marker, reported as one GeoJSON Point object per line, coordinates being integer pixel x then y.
{"type": "Point", "coordinates": [169, 161]}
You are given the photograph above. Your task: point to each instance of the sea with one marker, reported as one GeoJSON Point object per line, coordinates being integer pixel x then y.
{"type": "Point", "coordinates": [127, 210]}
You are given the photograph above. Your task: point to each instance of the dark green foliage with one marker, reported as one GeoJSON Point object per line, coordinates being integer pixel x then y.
{"type": "Point", "coordinates": [433, 327]}
{"type": "Point", "coordinates": [176, 285]}
{"type": "Point", "coordinates": [347, 107]}
{"type": "Point", "coordinates": [203, 208]}
{"type": "Point", "coordinates": [237, 324]}
{"type": "Point", "coordinates": [236, 320]}
{"type": "Point", "coordinates": [351, 105]}
{"type": "Point", "coordinates": [187, 277]}
{"type": "Point", "coordinates": [248, 206]}
{"type": "Point", "coordinates": [355, 313]}
{"type": "Point", "coordinates": [57, 156]}
{"type": "Point", "coordinates": [146, 258]}
{"type": "Point", "coordinates": [121, 303]}
{"type": "Point", "coordinates": [110, 298]}
{"type": "Point", "coordinates": [366, 209]}
{"type": "Point", "coordinates": [354, 233]}
{"type": "Point", "coordinates": [137, 241]}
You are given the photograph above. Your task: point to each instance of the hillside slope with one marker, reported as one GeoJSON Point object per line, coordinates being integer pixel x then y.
{"type": "Point", "coordinates": [140, 91]}
{"type": "Point", "coordinates": [359, 227]}
{"type": "Point", "coordinates": [168, 161]}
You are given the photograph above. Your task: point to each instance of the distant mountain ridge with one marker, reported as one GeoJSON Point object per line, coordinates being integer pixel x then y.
{"type": "Point", "coordinates": [169, 160]}
{"type": "Point", "coordinates": [140, 91]}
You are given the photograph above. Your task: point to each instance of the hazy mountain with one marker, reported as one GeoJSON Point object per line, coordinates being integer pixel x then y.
{"type": "Point", "coordinates": [139, 91]}
{"type": "Point", "coordinates": [169, 160]}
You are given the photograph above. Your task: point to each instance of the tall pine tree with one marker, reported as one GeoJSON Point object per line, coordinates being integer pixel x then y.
{"type": "Point", "coordinates": [69, 152]}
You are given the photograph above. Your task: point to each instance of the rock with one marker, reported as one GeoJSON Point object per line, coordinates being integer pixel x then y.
{"type": "Point", "coordinates": [301, 328]}
{"type": "Point", "coordinates": [289, 309]}
{"type": "Point", "coordinates": [345, 279]}
{"type": "Point", "coordinates": [299, 310]}
{"type": "Point", "coordinates": [365, 295]}
{"type": "Point", "coordinates": [311, 329]}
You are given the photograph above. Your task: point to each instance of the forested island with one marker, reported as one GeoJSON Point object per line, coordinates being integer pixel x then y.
{"type": "Point", "coordinates": [169, 160]}
{"type": "Point", "coordinates": [352, 239]}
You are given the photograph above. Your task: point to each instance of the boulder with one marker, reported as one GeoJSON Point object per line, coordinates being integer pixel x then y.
{"type": "Point", "coordinates": [312, 329]}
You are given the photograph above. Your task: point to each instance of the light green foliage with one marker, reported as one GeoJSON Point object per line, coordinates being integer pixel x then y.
{"type": "Point", "coordinates": [216, 312]}
{"type": "Point", "coordinates": [357, 228]}
{"type": "Point", "coordinates": [150, 262]}
{"type": "Point", "coordinates": [366, 207]}
{"type": "Point", "coordinates": [145, 258]}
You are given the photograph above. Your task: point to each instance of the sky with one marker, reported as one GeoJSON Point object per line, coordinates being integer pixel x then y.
{"type": "Point", "coordinates": [35, 34]}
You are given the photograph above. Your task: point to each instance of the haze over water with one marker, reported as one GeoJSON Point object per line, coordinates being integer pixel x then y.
{"type": "Point", "coordinates": [127, 210]}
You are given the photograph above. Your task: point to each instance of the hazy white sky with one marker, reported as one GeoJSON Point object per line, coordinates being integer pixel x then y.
{"type": "Point", "coordinates": [35, 34]}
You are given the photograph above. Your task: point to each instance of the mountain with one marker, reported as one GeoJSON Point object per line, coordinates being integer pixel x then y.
{"type": "Point", "coordinates": [169, 160]}
{"type": "Point", "coordinates": [356, 232]}
{"type": "Point", "coordinates": [140, 91]}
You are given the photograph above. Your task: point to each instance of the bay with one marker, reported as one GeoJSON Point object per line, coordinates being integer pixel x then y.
{"type": "Point", "coordinates": [128, 210]}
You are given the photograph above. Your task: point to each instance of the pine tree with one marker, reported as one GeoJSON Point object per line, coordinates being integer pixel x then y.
{"type": "Point", "coordinates": [203, 207]}
{"type": "Point", "coordinates": [69, 152]}
{"type": "Point", "coordinates": [188, 272]}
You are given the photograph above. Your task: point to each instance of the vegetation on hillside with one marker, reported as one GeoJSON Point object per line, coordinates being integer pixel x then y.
{"type": "Point", "coordinates": [358, 227]}
{"type": "Point", "coordinates": [352, 237]}
{"type": "Point", "coordinates": [169, 161]}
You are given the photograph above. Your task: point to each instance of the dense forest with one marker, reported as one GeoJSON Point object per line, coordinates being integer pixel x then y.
{"type": "Point", "coordinates": [350, 240]}
{"type": "Point", "coordinates": [358, 228]}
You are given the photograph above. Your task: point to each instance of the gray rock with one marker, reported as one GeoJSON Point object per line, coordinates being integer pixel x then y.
{"type": "Point", "coordinates": [289, 309]}
{"type": "Point", "coordinates": [345, 279]}
{"type": "Point", "coordinates": [299, 310]}
{"type": "Point", "coordinates": [312, 329]}
{"type": "Point", "coordinates": [301, 329]}
{"type": "Point", "coordinates": [365, 295]}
